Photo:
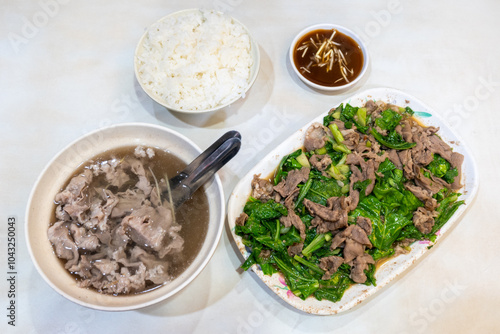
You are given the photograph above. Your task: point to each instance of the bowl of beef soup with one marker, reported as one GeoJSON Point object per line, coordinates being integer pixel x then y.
{"type": "Point", "coordinates": [99, 226]}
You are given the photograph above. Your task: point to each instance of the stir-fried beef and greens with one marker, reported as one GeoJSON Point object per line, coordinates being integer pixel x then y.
{"type": "Point", "coordinates": [368, 183]}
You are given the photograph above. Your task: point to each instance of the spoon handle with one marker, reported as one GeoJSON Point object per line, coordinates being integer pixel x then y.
{"type": "Point", "coordinates": [204, 167]}
{"type": "Point", "coordinates": [196, 162]}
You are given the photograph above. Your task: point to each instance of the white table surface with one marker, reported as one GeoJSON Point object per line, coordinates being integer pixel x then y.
{"type": "Point", "coordinates": [66, 68]}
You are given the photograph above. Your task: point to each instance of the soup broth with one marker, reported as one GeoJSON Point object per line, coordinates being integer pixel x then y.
{"type": "Point", "coordinates": [114, 229]}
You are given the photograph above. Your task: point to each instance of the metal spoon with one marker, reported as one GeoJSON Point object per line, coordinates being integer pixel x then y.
{"type": "Point", "coordinates": [183, 185]}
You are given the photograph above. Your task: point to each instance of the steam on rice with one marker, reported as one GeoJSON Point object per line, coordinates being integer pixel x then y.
{"type": "Point", "coordinates": [197, 61]}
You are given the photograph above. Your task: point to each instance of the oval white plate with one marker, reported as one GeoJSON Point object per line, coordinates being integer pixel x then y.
{"type": "Point", "coordinates": [395, 266]}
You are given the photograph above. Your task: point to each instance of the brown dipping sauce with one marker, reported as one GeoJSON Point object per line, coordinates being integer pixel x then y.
{"type": "Point", "coordinates": [329, 74]}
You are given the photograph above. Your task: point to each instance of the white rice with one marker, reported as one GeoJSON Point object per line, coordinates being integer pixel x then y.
{"type": "Point", "coordinates": [197, 61]}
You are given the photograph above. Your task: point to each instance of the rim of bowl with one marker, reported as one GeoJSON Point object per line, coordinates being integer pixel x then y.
{"type": "Point", "coordinates": [344, 30]}
{"type": "Point", "coordinates": [160, 298]}
{"type": "Point", "coordinates": [254, 69]}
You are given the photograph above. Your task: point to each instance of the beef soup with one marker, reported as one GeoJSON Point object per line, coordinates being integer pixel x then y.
{"type": "Point", "coordinates": [114, 228]}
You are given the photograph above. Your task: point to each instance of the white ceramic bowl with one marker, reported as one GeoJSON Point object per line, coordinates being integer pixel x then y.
{"type": "Point", "coordinates": [254, 70]}
{"type": "Point", "coordinates": [345, 31]}
{"type": "Point", "coordinates": [394, 266]}
{"type": "Point", "coordinates": [41, 207]}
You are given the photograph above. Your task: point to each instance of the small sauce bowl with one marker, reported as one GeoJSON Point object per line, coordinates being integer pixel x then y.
{"type": "Point", "coordinates": [349, 63]}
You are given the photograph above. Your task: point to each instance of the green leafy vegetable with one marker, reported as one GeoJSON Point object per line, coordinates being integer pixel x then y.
{"type": "Point", "coordinates": [334, 288]}
{"type": "Point", "coordinates": [361, 186]}
{"type": "Point", "coordinates": [446, 209]}
{"type": "Point", "coordinates": [304, 190]}
{"type": "Point", "coordinates": [333, 115]}
{"type": "Point", "coordinates": [348, 113]}
{"type": "Point", "coordinates": [408, 111]}
{"type": "Point", "coordinates": [288, 163]}
{"type": "Point", "coordinates": [291, 237]}
{"type": "Point", "coordinates": [385, 233]}
{"type": "Point", "coordinates": [389, 120]}
{"type": "Point", "coordinates": [322, 189]}
{"type": "Point", "coordinates": [353, 115]}
{"type": "Point", "coordinates": [299, 281]}
{"type": "Point", "coordinates": [350, 116]}
{"type": "Point", "coordinates": [361, 115]}
{"type": "Point", "coordinates": [266, 264]}
{"type": "Point", "coordinates": [378, 254]}
{"type": "Point", "coordinates": [411, 232]}
{"type": "Point", "coordinates": [252, 226]}
{"type": "Point", "coordinates": [370, 275]}
{"type": "Point", "coordinates": [393, 140]}
{"type": "Point", "coordinates": [391, 191]}
{"type": "Point", "coordinates": [302, 160]}
{"type": "Point", "coordinates": [341, 148]}
{"type": "Point", "coordinates": [268, 241]}
{"type": "Point", "coordinates": [267, 210]}
{"type": "Point", "coordinates": [336, 133]}
{"type": "Point", "coordinates": [386, 166]}
{"type": "Point", "coordinates": [334, 153]}
{"type": "Point", "coordinates": [439, 167]}
{"type": "Point", "coordinates": [409, 204]}
{"type": "Point", "coordinates": [335, 172]}
{"type": "Point", "coordinates": [308, 264]}
{"type": "Point", "coordinates": [386, 224]}
{"type": "Point", "coordinates": [251, 260]}
{"type": "Point", "coordinates": [326, 251]}
{"type": "Point", "coordinates": [318, 242]}
{"type": "Point", "coordinates": [448, 205]}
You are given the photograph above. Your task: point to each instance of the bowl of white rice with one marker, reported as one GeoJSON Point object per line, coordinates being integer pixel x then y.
{"type": "Point", "coordinates": [196, 61]}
